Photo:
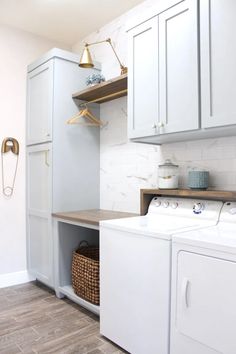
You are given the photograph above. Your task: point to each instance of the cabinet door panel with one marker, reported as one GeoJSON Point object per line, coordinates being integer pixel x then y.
{"type": "Point", "coordinates": [179, 79]}
{"type": "Point", "coordinates": [218, 58]}
{"type": "Point", "coordinates": [39, 178]}
{"type": "Point", "coordinates": [39, 209]}
{"type": "Point", "coordinates": [40, 104]}
{"type": "Point", "coordinates": [40, 260]}
{"type": "Point", "coordinates": [143, 79]}
{"type": "Point", "coordinates": [206, 294]}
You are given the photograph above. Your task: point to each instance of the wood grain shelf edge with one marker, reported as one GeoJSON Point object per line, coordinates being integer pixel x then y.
{"type": "Point", "coordinates": [103, 89]}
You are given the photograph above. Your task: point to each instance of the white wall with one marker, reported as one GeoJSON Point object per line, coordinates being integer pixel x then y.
{"type": "Point", "coordinates": [17, 50]}
{"type": "Point", "coordinates": [126, 167]}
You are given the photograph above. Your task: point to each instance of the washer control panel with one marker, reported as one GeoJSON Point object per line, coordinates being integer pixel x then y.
{"type": "Point", "coordinates": [186, 207]}
{"type": "Point", "coordinates": [228, 213]}
{"type": "Point", "coordinates": [198, 207]}
{"type": "Point", "coordinates": [166, 204]}
{"type": "Point", "coordinates": [174, 205]}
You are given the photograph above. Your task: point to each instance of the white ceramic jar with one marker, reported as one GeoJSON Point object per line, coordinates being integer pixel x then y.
{"type": "Point", "coordinates": [168, 175]}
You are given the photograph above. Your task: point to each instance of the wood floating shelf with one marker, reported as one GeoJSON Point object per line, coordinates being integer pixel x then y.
{"type": "Point", "coordinates": [105, 91]}
{"type": "Point", "coordinates": [146, 195]}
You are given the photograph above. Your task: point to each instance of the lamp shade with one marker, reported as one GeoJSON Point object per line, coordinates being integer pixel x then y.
{"type": "Point", "coordinates": [86, 59]}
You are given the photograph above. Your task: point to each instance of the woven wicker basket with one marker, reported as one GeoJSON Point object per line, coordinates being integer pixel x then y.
{"type": "Point", "coordinates": [85, 272]}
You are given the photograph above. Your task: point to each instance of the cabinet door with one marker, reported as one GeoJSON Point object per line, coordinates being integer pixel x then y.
{"type": "Point", "coordinates": [218, 58]}
{"type": "Point", "coordinates": [40, 251]}
{"type": "Point", "coordinates": [143, 79]}
{"type": "Point", "coordinates": [40, 104]}
{"type": "Point", "coordinates": [178, 68]}
{"type": "Point", "coordinates": [39, 168]}
{"type": "Point", "coordinates": [206, 293]}
{"type": "Point", "coordinates": [39, 234]}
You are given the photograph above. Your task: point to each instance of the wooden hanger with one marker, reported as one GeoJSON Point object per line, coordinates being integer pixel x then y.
{"type": "Point", "coordinates": [85, 112]}
{"type": "Point", "coordinates": [76, 119]}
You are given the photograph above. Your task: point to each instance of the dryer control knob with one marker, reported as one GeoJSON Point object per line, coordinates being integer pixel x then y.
{"type": "Point", "coordinates": [165, 204]}
{"type": "Point", "coordinates": [157, 203]}
{"type": "Point", "coordinates": [198, 207]}
{"type": "Point", "coordinates": [232, 211]}
{"type": "Point", "coordinates": [174, 205]}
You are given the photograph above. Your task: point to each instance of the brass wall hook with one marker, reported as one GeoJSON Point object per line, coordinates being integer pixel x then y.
{"type": "Point", "coordinates": [10, 144]}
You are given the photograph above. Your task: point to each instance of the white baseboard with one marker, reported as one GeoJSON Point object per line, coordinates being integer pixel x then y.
{"type": "Point", "coordinates": [10, 279]}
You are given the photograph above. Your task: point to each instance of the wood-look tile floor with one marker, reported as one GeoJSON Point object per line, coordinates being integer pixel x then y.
{"type": "Point", "coordinates": [33, 320]}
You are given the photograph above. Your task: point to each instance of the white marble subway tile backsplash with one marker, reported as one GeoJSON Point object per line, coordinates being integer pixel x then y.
{"type": "Point", "coordinates": [126, 167]}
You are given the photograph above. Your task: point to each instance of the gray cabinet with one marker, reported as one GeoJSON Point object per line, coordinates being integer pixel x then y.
{"type": "Point", "coordinates": [62, 160]}
{"type": "Point", "coordinates": [189, 81]}
{"type": "Point", "coordinates": [40, 104]}
{"type": "Point", "coordinates": [39, 202]}
{"type": "Point", "coordinates": [218, 58]}
{"type": "Point", "coordinates": [143, 79]}
{"type": "Point", "coordinates": [178, 68]}
{"type": "Point", "coordinates": [163, 73]}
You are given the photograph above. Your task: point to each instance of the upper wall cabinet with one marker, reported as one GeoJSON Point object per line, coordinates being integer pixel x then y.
{"type": "Point", "coordinates": [163, 73]}
{"type": "Point", "coordinates": [143, 79]}
{"type": "Point", "coordinates": [40, 104]}
{"type": "Point", "coordinates": [178, 68]}
{"type": "Point", "coordinates": [218, 62]}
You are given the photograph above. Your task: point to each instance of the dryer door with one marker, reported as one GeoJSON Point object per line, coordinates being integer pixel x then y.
{"type": "Point", "coordinates": [206, 301]}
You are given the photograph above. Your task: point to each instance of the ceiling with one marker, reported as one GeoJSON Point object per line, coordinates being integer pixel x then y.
{"type": "Point", "coordinates": [66, 21]}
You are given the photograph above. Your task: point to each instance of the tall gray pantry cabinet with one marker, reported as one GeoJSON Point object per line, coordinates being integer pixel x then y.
{"type": "Point", "coordinates": [62, 160]}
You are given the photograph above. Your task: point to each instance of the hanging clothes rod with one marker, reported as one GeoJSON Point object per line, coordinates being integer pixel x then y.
{"type": "Point", "coordinates": [96, 100]}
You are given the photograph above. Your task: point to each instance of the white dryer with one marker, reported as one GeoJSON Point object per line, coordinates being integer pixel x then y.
{"type": "Point", "coordinates": [203, 316]}
{"type": "Point", "coordinates": [135, 256]}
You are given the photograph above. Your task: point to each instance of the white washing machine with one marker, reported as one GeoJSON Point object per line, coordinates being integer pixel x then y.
{"type": "Point", "coordinates": [203, 316]}
{"type": "Point", "coordinates": [135, 275]}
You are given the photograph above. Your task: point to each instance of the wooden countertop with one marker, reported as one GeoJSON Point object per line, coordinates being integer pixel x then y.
{"type": "Point", "coordinates": [92, 216]}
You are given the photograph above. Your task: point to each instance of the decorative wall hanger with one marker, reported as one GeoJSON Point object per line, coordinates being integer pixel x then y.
{"type": "Point", "coordinates": [9, 145]}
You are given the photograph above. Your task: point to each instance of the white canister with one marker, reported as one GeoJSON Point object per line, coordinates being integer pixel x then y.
{"type": "Point", "coordinates": [168, 175]}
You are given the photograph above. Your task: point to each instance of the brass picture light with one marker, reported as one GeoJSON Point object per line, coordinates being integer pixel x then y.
{"type": "Point", "coordinates": [86, 59]}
